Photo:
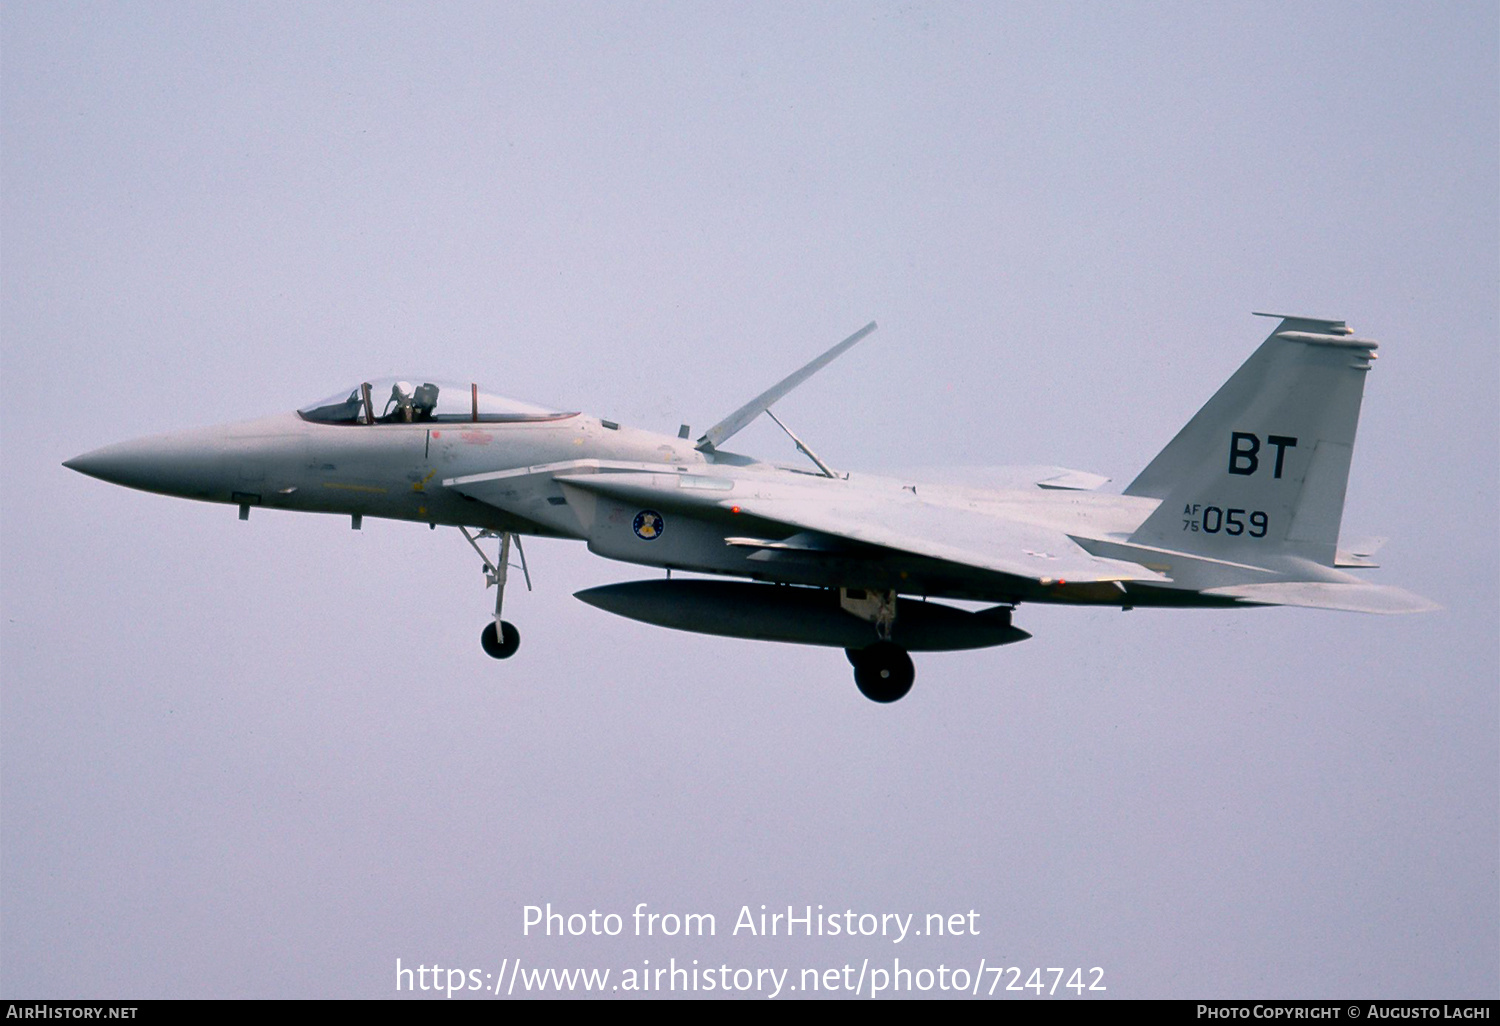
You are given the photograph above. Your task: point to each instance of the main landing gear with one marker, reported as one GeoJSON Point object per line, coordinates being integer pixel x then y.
{"type": "Point", "coordinates": [500, 638]}
{"type": "Point", "coordinates": [883, 672]}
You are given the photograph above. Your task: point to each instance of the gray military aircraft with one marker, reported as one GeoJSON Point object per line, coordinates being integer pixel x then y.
{"type": "Point", "coordinates": [1242, 508]}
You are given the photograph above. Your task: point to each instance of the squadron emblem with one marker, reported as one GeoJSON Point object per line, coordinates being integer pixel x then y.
{"type": "Point", "coordinates": [649, 524]}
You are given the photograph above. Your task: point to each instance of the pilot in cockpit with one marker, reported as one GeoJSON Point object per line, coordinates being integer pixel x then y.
{"type": "Point", "coordinates": [424, 401]}
{"type": "Point", "coordinates": [408, 405]}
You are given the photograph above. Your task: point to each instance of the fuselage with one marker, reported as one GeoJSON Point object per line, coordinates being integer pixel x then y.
{"type": "Point", "coordinates": [397, 471]}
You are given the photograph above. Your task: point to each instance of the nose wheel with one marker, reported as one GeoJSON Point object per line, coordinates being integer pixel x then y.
{"type": "Point", "coordinates": [883, 672]}
{"type": "Point", "coordinates": [501, 643]}
{"type": "Point", "coordinates": [500, 639]}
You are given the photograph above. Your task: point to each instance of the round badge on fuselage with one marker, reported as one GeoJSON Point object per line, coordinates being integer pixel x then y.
{"type": "Point", "coordinates": [649, 524]}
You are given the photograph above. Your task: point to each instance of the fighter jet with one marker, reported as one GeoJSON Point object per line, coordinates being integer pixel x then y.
{"type": "Point", "coordinates": [1242, 508]}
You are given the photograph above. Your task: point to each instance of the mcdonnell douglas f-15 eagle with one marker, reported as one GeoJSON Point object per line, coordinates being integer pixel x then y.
{"type": "Point", "coordinates": [1242, 508]}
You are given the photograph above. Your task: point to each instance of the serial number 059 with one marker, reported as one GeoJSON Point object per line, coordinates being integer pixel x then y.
{"type": "Point", "coordinates": [1212, 520]}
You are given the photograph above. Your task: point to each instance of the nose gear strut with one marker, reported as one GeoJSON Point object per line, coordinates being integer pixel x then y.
{"type": "Point", "coordinates": [500, 638]}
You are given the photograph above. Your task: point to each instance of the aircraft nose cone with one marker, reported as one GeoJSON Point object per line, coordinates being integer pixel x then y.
{"type": "Point", "coordinates": [212, 463]}
{"type": "Point", "coordinates": [106, 464]}
{"type": "Point", "coordinates": [188, 464]}
{"type": "Point", "coordinates": [145, 463]}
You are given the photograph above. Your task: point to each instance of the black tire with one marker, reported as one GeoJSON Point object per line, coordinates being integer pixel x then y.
{"type": "Point", "coordinates": [883, 672]}
{"type": "Point", "coordinates": [501, 644]}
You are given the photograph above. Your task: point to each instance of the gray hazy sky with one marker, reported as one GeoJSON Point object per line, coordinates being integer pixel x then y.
{"type": "Point", "coordinates": [270, 758]}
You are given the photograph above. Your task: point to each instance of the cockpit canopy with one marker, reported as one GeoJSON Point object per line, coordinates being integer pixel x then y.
{"type": "Point", "coordinates": [399, 401]}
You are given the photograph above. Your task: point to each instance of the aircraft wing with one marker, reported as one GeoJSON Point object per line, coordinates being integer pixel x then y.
{"type": "Point", "coordinates": [955, 535]}
{"type": "Point", "coordinates": [1005, 478]}
{"type": "Point", "coordinates": [906, 524]}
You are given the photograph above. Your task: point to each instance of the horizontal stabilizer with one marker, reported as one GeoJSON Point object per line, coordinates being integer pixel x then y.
{"type": "Point", "coordinates": [1354, 598]}
{"type": "Point", "coordinates": [1074, 481]}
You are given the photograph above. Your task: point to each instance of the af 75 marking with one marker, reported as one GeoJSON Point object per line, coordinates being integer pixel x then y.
{"type": "Point", "coordinates": [1232, 522]}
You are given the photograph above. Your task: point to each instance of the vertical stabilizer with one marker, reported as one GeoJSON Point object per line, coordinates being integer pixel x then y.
{"type": "Point", "coordinates": [1260, 472]}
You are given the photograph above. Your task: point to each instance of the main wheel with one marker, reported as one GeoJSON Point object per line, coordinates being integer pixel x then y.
{"type": "Point", "coordinates": [883, 672]}
{"type": "Point", "coordinates": [500, 644]}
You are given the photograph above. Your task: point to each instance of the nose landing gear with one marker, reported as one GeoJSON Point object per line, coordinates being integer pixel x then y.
{"type": "Point", "coordinates": [501, 643]}
{"type": "Point", "coordinates": [500, 639]}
